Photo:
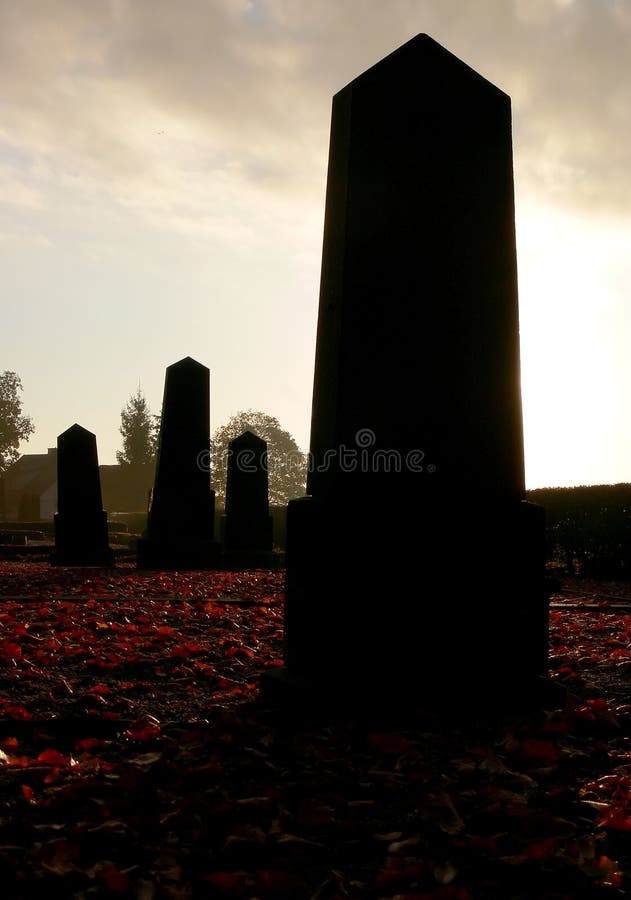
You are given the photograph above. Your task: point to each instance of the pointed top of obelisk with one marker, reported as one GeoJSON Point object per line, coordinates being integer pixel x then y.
{"type": "Point", "coordinates": [186, 364]}
{"type": "Point", "coordinates": [76, 433]}
{"type": "Point", "coordinates": [423, 57]}
{"type": "Point", "coordinates": [247, 440]}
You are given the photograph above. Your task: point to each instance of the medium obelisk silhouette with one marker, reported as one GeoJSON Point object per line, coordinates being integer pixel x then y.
{"type": "Point", "coordinates": [180, 523]}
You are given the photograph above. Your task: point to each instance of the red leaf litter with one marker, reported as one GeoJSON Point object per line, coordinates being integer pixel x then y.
{"type": "Point", "coordinates": [138, 759]}
{"type": "Point", "coordinates": [89, 642]}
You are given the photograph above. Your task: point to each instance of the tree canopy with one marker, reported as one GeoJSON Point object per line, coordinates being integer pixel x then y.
{"type": "Point", "coordinates": [14, 426]}
{"type": "Point", "coordinates": [139, 430]}
{"type": "Point", "coordinates": [286, 462]}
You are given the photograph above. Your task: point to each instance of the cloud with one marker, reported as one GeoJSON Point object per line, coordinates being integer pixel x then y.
{"type": "Point", "coordinates": [15, 193]}
{"type": "Point", "coordinates": [180, 110]}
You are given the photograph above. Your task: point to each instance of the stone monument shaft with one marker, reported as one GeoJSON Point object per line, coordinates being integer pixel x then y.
{"type": "Point", "coordinates": [180, 523]}
{"type": "Point", "coordinates": [415, 546]}
{"type": "Point", "coordinates": [418, 335]}
{"type": "Point", "coordinates": [81, 536]}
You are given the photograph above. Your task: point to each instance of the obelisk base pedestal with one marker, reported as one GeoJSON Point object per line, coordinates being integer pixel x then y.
{"type": "Point", "coordinates": [454, 611]}
{"type": "Point", "coordinates": [81, 542]}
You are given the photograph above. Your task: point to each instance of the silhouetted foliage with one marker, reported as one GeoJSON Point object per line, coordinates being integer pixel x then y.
{"type": "Point", "coordinates": [286, 462]}
{"type": "Point", "coordinates": [139, 430]}
{"type": "Point", "coordinates": [14, 427]}
{"type": "Point", "coordinates": [589, 528]}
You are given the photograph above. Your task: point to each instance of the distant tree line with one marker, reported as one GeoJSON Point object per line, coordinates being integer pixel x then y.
{"type": "Point", "coordinates": [588, 528]}
{"type": "Point", "coordinates": [140, 432]}
{"type": "Point", "coordinates": [286, 463]}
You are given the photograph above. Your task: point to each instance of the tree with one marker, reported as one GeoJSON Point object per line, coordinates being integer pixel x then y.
{"type": "Point", "coordinates": [14, 427]}
{"type": "Point", "coordinates": [139, 430]}
{"type": "Point", "coordinates": [286, 463]}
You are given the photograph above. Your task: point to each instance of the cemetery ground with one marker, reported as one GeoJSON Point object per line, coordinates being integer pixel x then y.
{"type": "Point", "coordinates": [138, 760]}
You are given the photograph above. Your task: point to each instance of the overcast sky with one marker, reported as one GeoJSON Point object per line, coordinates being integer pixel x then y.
{"type": "Point", "coordinates": [162, 182]}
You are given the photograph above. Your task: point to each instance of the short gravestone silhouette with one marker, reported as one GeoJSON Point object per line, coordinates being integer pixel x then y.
{"type": "Point", "coordinates": [180, 521]}
{"type": "Point", "coordinates": [247, 525]}
{"type": "Point", "coordinates": [81, 535]}
{"type": "Point", "coordinates": [416, 418]}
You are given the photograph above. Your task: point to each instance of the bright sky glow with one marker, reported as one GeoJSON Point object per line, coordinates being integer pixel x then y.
{"type": "Point", "coordinates": [162, 179]}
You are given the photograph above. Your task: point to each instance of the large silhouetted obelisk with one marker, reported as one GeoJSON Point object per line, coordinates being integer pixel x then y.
{"type": "Point", "coordinates": [414, 563]}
